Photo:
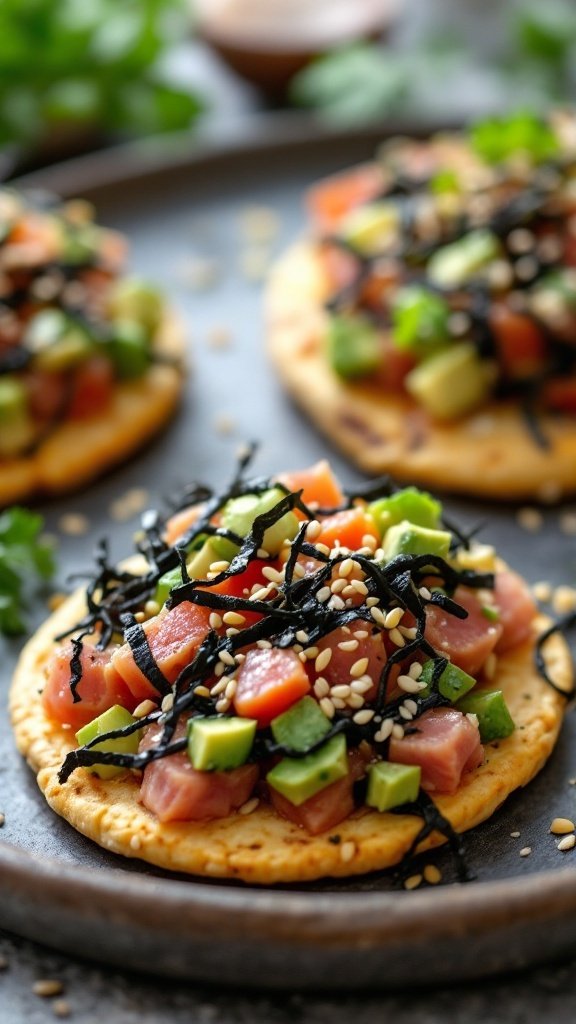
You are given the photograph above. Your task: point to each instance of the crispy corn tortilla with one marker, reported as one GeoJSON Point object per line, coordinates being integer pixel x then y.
{"type": "Point", "coordinates": [262, 847]}
{"type": "Point", "coordinates": [490, 454]}
{"type": "Point", "coordinates": [80, 450]}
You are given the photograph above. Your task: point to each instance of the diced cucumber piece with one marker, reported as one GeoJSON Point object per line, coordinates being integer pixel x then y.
{"type": "Point", "coordinates": [300, 778]}
{"type": "Point", "coordinates": [116, 717]}
{"type": "Point", "coordinates": [408, 539]}
{"type": "Point", "coordinates": [165, 584]}
{"type": "Point", "coordinates": [494, 719]}
{"type": "Point", "coordinates": [453, 265]}
{"type": "Point", "coordinates": [371, 228]}
{"type": "Point", "coordinates": [420, 320]}
{"type": "Point", "coordinates": [303, 725]}
{"type": "Point", "coordinates": [453, 382]}
{"type": "Point", "coordinates": [391, 785]}
{"type": "Point", "coordinates": [217, 744]}
{"type": "Point", "coordinates": [453, 683]}
{"type": "Point", "coordinates": [416, 506]}
{"type": "Point", "coordinates": [132, 299]}
{"type": "Point", "coordinates": [129, 349]}
{"type": "Point", "coordinates": [354, 348]}
{"type": "Point", "coordinates": [240, 513]}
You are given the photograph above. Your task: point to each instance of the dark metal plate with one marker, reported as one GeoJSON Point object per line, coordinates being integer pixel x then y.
{"type": "Point", "coordinates": [56, 886]}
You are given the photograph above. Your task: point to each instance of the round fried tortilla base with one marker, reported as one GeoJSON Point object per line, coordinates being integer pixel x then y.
{"type": "Point", "coordinates": [489, 454]}
{"type": "Point", "coordinates": [262, 847]}
{"type": "Point", "coordinates": [77, 451]}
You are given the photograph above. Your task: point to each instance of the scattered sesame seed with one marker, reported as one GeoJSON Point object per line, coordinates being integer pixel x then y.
{"type": "Point", "coordinates": [410, 632]}
{"type": "Point", "coordinates": [542, 591]}
{"type": "Point", "coordinates": [218, 668]}
{"type": "Point", "coordinates": [415, 670]}
{"type": "Point", "coordinates": [345, 567]}
{"type": "Point", "coordinates": [564, 599]}
{"type": "Point", "coordinates": [338, 585]}
{"type": "Point", "coordinates": [393, 617]}
{"type": "Point", "coordinates": [224, 424]}
{"type": "Point", "coordinates": [568, 843]}
{"type": "Point", "coordinates": [61, 1008]}
{"type": "Point", "coordinates": [336, 602]}
{"type": "Point", "coordinates": [341, 690]}
{"type": "Point", "coordinates": [264, 645]}
{"type": "Point", "coordinates": [363, 717]}
{"type": "Point", "coordinates": [355, 700]}
{"type": "Point", "coordinates": [223, 704]}
{"type": "Point", "coordinates": [323, 549]}
{"type": "Point", "coordinates": [200, 274]}
{"type": "Point", "coordinates": [530, 519]}
{"type": "Point", "coordinates": [249, 806]}
{"type": "Point", "coordinates": [413, 882]}
{"type": "Point", "coordinates": [525, 851]}
{"type": "Point", "coordinates": [254, 263]}
{"type": "Point", "coordinates": [259, 224]}
{"type": "Point", "coordinates": [359, 668]}
{"type": "Point", "coordinates": [327, 707]}
{"type": "Point", "coordinates": [338, 703]}
{"type": "Point", "coordinates": [458, 323]}
{"type": "Point", "coordinates": [202, 691]}
{"type": "Point", "coordinates": [560, 826]}
{"type": "Point", "coordinates": [550, 492]}
{"type": "Point", "coordinates": [47, 987]}
{"type": "Point", "coordinates": [230, 690]}
{"type": "Point", "coordinates": [313, 530]}
{"type": "Point", "coordinates": [378, 616]}
{"type": "Point", "coordinates": [359, 586]}
{"type": "Point", "coordinates": [74, 524]}
{"type": "Point", "coordinates": [514, 835]}
{"type": "Point", "coordinates": [526, 268]}
{"type": "Point", "coordinates": [371, 602]}
{"type": "Point", "coordinates": [347, 851]}
{"type": "Point", "coordinates": [233, 619]}
{"type": "Point", "coordinates": [144, 708]}
{"type": "Point", "coordinates": [129, 504]}
{"type": "Point", "coordinates": [219, 566]}
{"type": "Point", "coordinates": [135, 842]}
{"type": "Point", "coordinates": [323, 595]}
{"type": "Point", "coordinates": [410, 685]}
{"type": "Point", "coordinates": [405, 713]}
{"type": "Point", "coordinates": [411, 705]}
{"type": "Point", "coordinates": [215, 620]}
{"type": "Point", "coordinates": [520, 240]}
{"type": "Point", "coordinates": [568, 523]}
{"type": "Point", "coordinates": [361, 634]}
{"type": "Point", "coordinates": [302, 636]}
{"type": "Point", "coordinates": [272, 574]}
{"type": "Point", "coordinates": [167, 702]}
{"type": "Point", "coordinates": [385, 730]}
{"type": "Point", "coordinates": [425, 593]}
{"type": "Point", "coordinates": [348, 645]}
{"type": "Point", "coordinates": [227, 658]}
{"type": "Point", "coordinates": [321, 687]}
{"type": "Point", "coordinates": [397, 731]}
{"type": "Point", "coordinates": [323, 659]}
{"type": "Point", "coordinates": [220, 686]}
{"type": "Point", "coordinates": [362, 685]}
{"type": "Point", "coordinates": [151, 608]}
{"type": "Point", "coordinates": [261, 594]}
{"type": "Point", "coordinates": [432, 874]}
{"type": "Point", "coordinates": [397, 638]}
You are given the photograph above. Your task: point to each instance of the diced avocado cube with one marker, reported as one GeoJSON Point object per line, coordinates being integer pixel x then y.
{"type": "Point", "coordinates": [132, 299]}
{"type": "Point", "coordinates": [494, 719]}
{"type": "Point", "coordinates": [79, 244]}
{"type": "Point", "coordinates": [391, 785]}
{"type": "Point", "coordinates": [129, 349]}
{"type": "Point", "coordinates": [116, 717]}
{"type": "Point", "coordinates": [408, 539]}
{"type": "Point", "coordinates": [57, 342]}
{"type": "Point", "coordinates": [16, 426]}
{"type": "Point", "coordinates": [420, 320]}
{"type": "Point", "coordinates": [453, 683]}
{"type": "Point", "coordinates": [165, 584]}
{"type": "Point", "coordinates": [416, 506]}
{"type": "Point", "coordinates": [303, 725]}
{"type": "Point", "coordinates": [453, 382]}
{"type": "Point", "coordinates": [240, 513]}
{"type": "Point", "coordinates": [354, 348]}
{"type": "Point", "coordinates": [199, 564]}
{"type": "Point", "coordinates": [300, 778]}
{"type": "Point", "coordinates": [371, 228]}
{"type": "Point", "coordinates": [218, 744]}
{"type": "Point", "coordinates": [453, 265]}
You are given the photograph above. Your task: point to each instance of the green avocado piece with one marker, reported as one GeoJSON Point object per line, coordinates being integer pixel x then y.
{"type": "Point", "coordinates": [453, 382]}
{"type": "Point", "coordinates": [79, 244]}
{"type": "Point", "coordinates": [218, 744]}
{"type": "Point", "coordinates": [494, 719]}
{"type": "Point", "coordinates": [371, 228]}
{"type": "Point", "coordinates": [391, 785]}
{"type": "Point", "coordinates": [170, 579]}
{"type": "Point", "coordinates": [453, 683]}
{"type": "Point", "coordinates": [303, 725]}
{"type": "Point", "coordinates": [354, 348]}
{"type": "Point", "coordinates": [239, 515]}
{"type": "Point", "coordinates": [133, 299]}
{"type": "Point", "coordinates": [407, 538]}
{"type": "Point", "coordinates": [453, 265]}
{"type": "Point", "coordinates": [116, 717]}
{"type": "Point", "coordinates": [416, 506]}
{"type": "Point", "coordinates": [129, 349]}
{"type": "Point", "coordinates": [57, 342]}
{"type": "Point", "coordinates": [199, 564]}
{"type": "Point", "coordinates": [16, 426]}
{"type": "Point", "coordinates": [300, 778]}
{"type": "Point", "coordinates": [420, 321]}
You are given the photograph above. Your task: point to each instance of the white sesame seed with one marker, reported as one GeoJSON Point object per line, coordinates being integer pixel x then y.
{"type": "Point", "coordinates": [223, 704]}
{"type": "Point", "coordinates": [355, 700]}
{"type": "Point", "coordinates": [219, 566]}
{"type": "Point", "coordinates": [393, 617]}
{"type": "Point", "coordinates": [361, 634]}
{"type": "Point", "coordinates": [369, 541]}
{"type": "Point", "coordinates": [151, 608]}
{"type": "Point", "coordinates": [321, 687]}
{"type": "Point", "coordinates": [302, 657]}
{"type": "Point", "coordinates": [311, 653]}
{"type": "Point", "coordinates": [520, 240]}
{"type": "Point", "coordinates": [348, 645]}
{"type": "Point", "coordinates": [135, 842]}
{"type": "Point", "coordinates": [413, 882]}
{"type": "Point", "coordinates": [359, 586]}
{"type": "Point", "coordinates": [341, 690]}
{"type": "Point", "coordinates": [514, 835]}
{"type": "Point", "coordinates": [249, 806]}
{"type": "Point", "coordinates": [262, 553]}
{"type": "Point", "coordinates": [230, 690]}
{"type": "Point", "coordinates": [261, 594]}
{"type": "Point", "coordinates": [264, 645]}
{"type": "Point", "coordinates": [338, 703]}
{"type": "Point", "coordinates": [410, 632]}
{"type": "Point", "coordinates": [227, 658]}
{"type": "Point", "coordinates": [568, 843]}
{"type": "Point", "coordinates": [397, 638]}
{"type": "Point", "coordinates": [397, 731]}
{"type": "Point", "coordinates": [564, 599]}
{"type": "Point", "coordinates": [323, 659]}
{"type": "Point", "coordinates": [338, 585]}
{"type": "Point", "coordinates": [220, 686]}
{"type": "Point", "coordinates": [525, 851]}
{"type": "Point", "coordinates": [425, 593]}
{"type": "Point", "coordinates": [215, 620]}
{"type": "Point", "coordinates": [542, 591]}
{"type": "Point", "coordinates": [386, 729]}
{"type": "Point", "coordinates": [233, 619]}
{"type": "Point", "coordinates": [561, 826]}
{"type": "Point", "coordinates": [568, 523]}
{"type": "Point", "coordinates": [378, 616]}
{"type": "Point", "coordinates": [313, 530]}
{"type": "Point", "coordinates": [302, 636]}
{"type": "Point", "coordinates": [240, 657]}
{"type": "Point", "coordinates": [530, 519]}
{"type": "Point", "coordinates": [299, 572]}
{"type": "Point", "coordinates": [347, 851]}
{"type": "Point", "coordinates": [415, 670]}
{"type": "Point", "coordinates": [167, 702]}
{"type": "Point", "coordinates": [323, 595]}
{"type": "Point", "coordinates": [359, 668]}
{"type": "Point", "coordinates": [432, 874]}
{"type": "Point", "coordinates": [232, 631]}
{"type": "Point", "coordinates": [345, 567]}
{"type": "Point", "coordinates": [410, 685]}
{"type": "Point", "coordinates": [362, 685]}
{"type": "Point", "coordinates": [336, 602]}
{"type": "Point", "coordinates": [144, 708]}
{"type": "Point", "coordinates": [272, 574]}
{"type": "Point", "coordinates": [61, 1008]}
{"type": "Point", "coordinates": [363, 717]}
{"type": "Point", "coordinates": [327, 707]}
{"type": "Point", "coordinates": [411, 705]}
{"type": "Point", "coordinates": [219, 668]}
{"type": "Point", "coordinates": [405, 713]}
{"type": "Point", "coordinates": [201, 691]}
{"type": "Point", "coordinates": [47, 987]}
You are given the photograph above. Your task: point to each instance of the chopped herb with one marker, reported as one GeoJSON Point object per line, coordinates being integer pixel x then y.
{"type": "Point", "coordinates": [419, 319]}
{"type": "Point", "coordinates": [497, 139]}
{"type": "Point", "coordinates": [23, 556]}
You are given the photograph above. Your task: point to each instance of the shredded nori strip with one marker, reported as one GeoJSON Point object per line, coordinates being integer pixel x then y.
{"type": "Point", "coordinates": [564, 623]}
{"type": "Point", "coordinates": [434, 821]}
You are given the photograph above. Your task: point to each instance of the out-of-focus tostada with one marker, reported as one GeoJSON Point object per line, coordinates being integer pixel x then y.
{"type": "Point", "coordinates": [428, 324]}
{"type": "Point", "coordinates": [291, 682]}
{"type": "Point", "coordinates": [90, 360]}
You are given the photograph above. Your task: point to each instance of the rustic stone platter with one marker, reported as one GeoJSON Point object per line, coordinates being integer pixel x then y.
{"type": "Point", "coordinates": [180, 205]}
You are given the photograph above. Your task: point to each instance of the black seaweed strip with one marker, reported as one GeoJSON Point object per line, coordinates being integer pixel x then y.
{"type": "Point", "coordinates": [534, 426]}
{"type": "Point", "coordinates": [434, 821]}
{"type": "Point", "coordinates": [126, 730]}
{"type": "Point", "coordinates": [560, 626]}
{"type": "Point", "coordinates": [135, 636]}
{"type": "Point", "coordinates": [76, 668]}
{"type": "Point", "coordinates": [83, 758]}
{"type": "Point", "coordinates": [267, 748]}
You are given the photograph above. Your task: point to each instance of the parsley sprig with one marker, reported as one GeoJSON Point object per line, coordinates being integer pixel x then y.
{"type": "Point", "coordinates": [25, 556]}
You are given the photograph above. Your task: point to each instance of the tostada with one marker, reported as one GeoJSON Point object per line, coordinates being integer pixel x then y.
{"type": "Point", "coordinates": [428, 323]}
{"type": "Point", "coordinates": [290, 682]}
{"type": "Point", "coordinates": [90, 360]}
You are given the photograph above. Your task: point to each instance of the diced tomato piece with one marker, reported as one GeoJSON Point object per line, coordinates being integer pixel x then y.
{"type": "Point", "coordinates": [445, 746]}
{"type": "Point", "coordinates": [348, 527]}
{"type": "Point", "coordinates": [337, 671]}
{"type": "Point", "coordinates": [46, 393]}
{"type": "Point", "coordinates": [174, 791]}
{"type": "Point", "coordinates": [467, 642]}
{"type": "Point", "coordinates": [99, 689]}
{"type": "Point", "coordinates": [173, 637]}
{"type": "Point", "coordinates": [92, 388]}
{"type": "Point", "coordinates": [318, 484]}
{"type": "Point", "coordinates": [331, 199]}
{"type": "Point", "coordinates": [269, 682]}
{"type": "Point", "coordinates": [517, 610]}
{"type": "Point", "coordinates": [327, 808]}
{"type": "Point", "coordinates": [560, 394]}
{"type": "Point", "coordinates": [180, 522]}
{"type": "Point", "coordinates": [520, 342]}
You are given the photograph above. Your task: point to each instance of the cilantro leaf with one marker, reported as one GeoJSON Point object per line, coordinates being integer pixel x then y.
{"type": "Point", "coordinates": [24, 555]}
{"type": "Point", "coordinates": [498, 138]}
{"type": "Point", "coordinates": [419, 320]}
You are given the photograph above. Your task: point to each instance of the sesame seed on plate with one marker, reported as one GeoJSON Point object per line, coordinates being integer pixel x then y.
{"type": "Point", "coordinates": [568, 843]}
{"type": "Point", "coordinates": [432, 874]}
{"type": "Point", "coordinates": [514, 835]}
{"type": "Point", "coordinates": [542, 591]}
{"type": "Point", "coordinates": [525, 851]}
{"type": "Point", "coordinates": [74, 524]}
{"type": "Point", "coordinates": [530, 519]}
{"type": "Point", "coordinates": [47, 987]}
{"type": "Point", "coordinates": [564, 599]}
{"type": "Point", "coordinates": [61, 1008]}
{"type": "Point", "coordinates": [561, 826]}
{"type": "Point", "coordinates": [413, 882]}
{"type": "Point", "coordinates": [568, 523]}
